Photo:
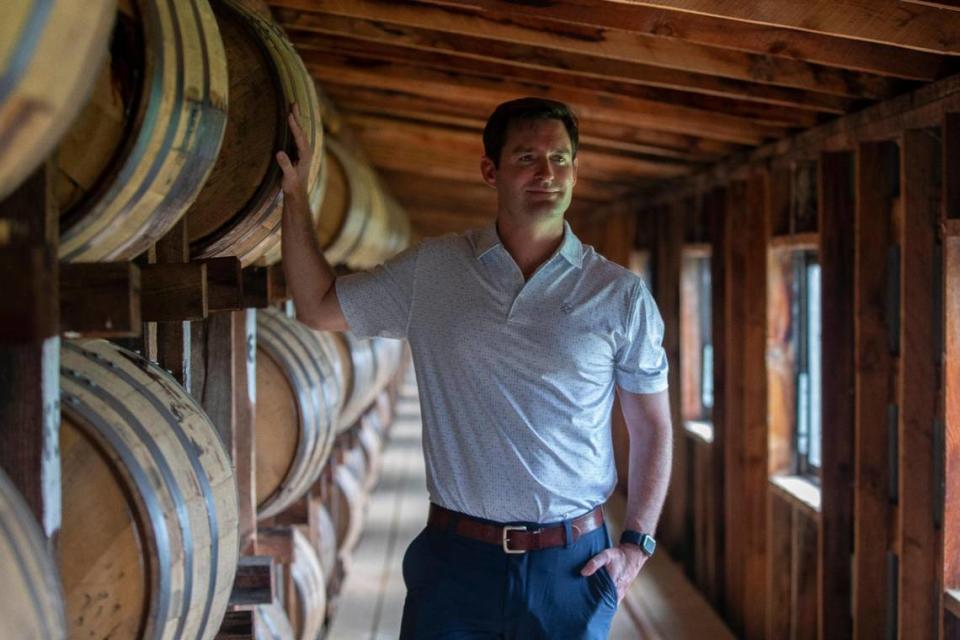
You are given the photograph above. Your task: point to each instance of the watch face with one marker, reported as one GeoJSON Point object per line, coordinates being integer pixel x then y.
{"type": "Point", "coordinates": [649, 545]}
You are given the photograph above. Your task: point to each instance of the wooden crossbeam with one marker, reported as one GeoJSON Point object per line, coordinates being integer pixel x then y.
{"type": "Point", "coordinates": [565, 67]}
{"type": "Point", "coordinates": [616, 109]}
{"type": "Point", "coordinates": [760, 39]}
{"type": "Point", "coordinates": [882, 21]}
{"type": "Point", "coordinates": [606, 43]}
{"type": "Point", "coordinates": [593, 163]}
{"type": "Point", "coordinates": [360, 101]}
{"type": "Point", "coordinates": [313, 48]}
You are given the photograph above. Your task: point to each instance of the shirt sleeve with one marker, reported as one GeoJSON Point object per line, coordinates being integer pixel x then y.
{"type": "Point", "coordinates": [379, 302]}
{"type": "Point", "coordinates": [641, 363]}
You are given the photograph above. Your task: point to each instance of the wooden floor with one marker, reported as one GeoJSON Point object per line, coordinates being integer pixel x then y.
{"type": "Point", "coordinates": [662, 604]}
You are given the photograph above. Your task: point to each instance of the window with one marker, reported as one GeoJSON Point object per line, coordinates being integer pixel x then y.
{"type": "Point", "coordinates": [696, 338]}
{"type": "Point", "coordinates": [805, 312]}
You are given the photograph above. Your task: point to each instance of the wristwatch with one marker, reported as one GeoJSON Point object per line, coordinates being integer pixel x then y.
{"type": "Point", "coordinates": [643, 540]}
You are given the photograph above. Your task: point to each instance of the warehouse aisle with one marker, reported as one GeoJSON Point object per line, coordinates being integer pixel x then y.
{"type": "Point", "coordinates": [663, 604]}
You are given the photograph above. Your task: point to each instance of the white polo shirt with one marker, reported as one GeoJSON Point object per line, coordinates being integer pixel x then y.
{"type": "Point", "coordinates": [516, 378]}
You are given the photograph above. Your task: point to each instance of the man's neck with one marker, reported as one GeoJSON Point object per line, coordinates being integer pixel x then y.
{"type": "Point", "coordinates": [530, 245]}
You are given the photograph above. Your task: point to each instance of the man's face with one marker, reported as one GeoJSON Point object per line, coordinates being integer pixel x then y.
{"type": "Point", "coordinates": [537, 170]}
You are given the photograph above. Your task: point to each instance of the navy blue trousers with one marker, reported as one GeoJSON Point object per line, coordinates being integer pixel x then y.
{"type": "Point", "coordinates": [463, 589]}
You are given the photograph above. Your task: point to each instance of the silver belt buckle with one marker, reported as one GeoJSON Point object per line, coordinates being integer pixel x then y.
{"type": "Point", "coordinates": [506, 531]}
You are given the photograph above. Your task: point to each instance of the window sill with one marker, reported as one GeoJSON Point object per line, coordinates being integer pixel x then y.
{"type": "Point", "coordinates": [951, 602]}
{"type": "Point", "coordinates": [798, 490]}
{"type": "Point", "coordinates": [699, 429]}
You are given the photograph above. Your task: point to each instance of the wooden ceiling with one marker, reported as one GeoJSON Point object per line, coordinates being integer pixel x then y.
{"type": "Point", "coordinates": [662, 88]}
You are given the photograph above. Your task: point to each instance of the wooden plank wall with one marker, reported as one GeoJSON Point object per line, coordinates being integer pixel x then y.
{"type": "Point", "coordinates": [883, 532]}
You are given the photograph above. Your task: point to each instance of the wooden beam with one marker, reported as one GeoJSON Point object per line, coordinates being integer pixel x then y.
{"type": "Point", "coordinates": [715, 204]}
{"type": "Point", "coordinates": [594, 163]}
{"type": "Point", "coordinates": [100, 299]}
{"type": "Point", "coordinates": [951, 518]}
{"type": "Point", "coordinates": [173, 338]}
{"type": "Point", "coordinates": [323, 31]}
{"type": "Point", "coordinates": [761, 39]}
{"type": "Point", "coordinates": [400, 104]}
{"type": "Point", "coordinates": [667, 265]}
{"type": "Point", "coordinates": [607, 43]}
{"type": "Point", "coordinates": [30, 352]}
{"type": "Point", "coordinates": [617, 109]}
{"type": "Point", "coordinates": [753, 447]}
{"type": "Point", "coordinates": [759, 112]}
{"type": "Point", "coordinates": [877, 177]}
{"type": "Point", "coordinates": [173, 292]}
{"type": "Point", "coordinates": [921, 585]}
{"type": "Point", "coordinates": [836, 213]}
{"type": "Point", "coordinates": [733, 365]}
{"type": "Point", "coordinates": [882, 21]}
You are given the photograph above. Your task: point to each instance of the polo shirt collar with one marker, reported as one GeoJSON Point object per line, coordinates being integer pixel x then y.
{"type": "Point", "coordinates": [571, 249]}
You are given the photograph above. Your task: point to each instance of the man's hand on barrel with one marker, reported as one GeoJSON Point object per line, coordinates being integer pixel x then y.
{"type": "Point", "coordinates": [623, 563]}
{"type": "Point", "coordinates": [295, 175]}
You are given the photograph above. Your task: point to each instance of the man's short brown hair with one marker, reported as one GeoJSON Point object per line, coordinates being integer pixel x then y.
{"type": "Point", "coordinates": [528, 109]}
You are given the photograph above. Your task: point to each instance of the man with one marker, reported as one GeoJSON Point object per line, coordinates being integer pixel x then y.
{"type": "Point", "coordinates": [519, 335]}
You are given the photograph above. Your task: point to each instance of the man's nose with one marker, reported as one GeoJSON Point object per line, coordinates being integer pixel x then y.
{"type": "Point", "coordinates": [544, 169]}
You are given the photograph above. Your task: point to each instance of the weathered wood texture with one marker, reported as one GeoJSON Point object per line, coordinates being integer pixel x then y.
{"type": "Point", "coordinates": [753, 448]}
{"type": "Point", "coordinates": [719, 238]}
{"type": "Point", "coordinates": [877, 183]}
{"type": "Point", "coordinates": [100, 299]}
{"type": "Point", "coordinates": [30, 349]}
{"type": "Point", "coordinates": [951, 360]}
{"type": "Point", "coordinates": [667, 260]}
{"type": "Point", "coordinates": [836, 206]}
{"type": "Point", "coordinates": [921, 584]}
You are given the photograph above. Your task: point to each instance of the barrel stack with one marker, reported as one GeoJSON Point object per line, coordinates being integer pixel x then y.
{"type": "Point", "coordinates": [211, 454]}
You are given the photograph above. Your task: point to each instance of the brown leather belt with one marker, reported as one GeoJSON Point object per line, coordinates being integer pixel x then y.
{"type": "Point", "coordinates": [513, 538]}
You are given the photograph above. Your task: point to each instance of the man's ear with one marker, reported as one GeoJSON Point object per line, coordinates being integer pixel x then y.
{"type": "Point", "coordinates": [489, 171]}
{"type": "Point", "coordinates": [576, 167]}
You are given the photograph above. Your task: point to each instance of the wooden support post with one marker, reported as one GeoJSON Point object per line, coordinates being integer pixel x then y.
{"type": "Point", "coordinates": [30, 348]}
{"type": "Point", "coordinates": [100, 299]}
{"type": "Point", "coordinates": [717, 214]}
{"type": "Point", "coordinates": [753, 445]}
{"type": "Point", "coordinates": [877, 182]}
{"type": "Point", "coordinates": [920, 543]}
{"type": "Point", "coordinates": [732, 402]}
{"type": "Point", "coordinates": [173, 338]}
{"type": "Point", "coordinates": [676, 517]}
{"type": "Point", "coordinates": [836, 224]}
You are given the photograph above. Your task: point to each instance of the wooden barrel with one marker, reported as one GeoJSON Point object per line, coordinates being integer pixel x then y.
{"type": "Point", "coordinates": [372, 445]}
{"type": "Point", "coordinates": [272, 623]}
{"type": "Point", "coordinates": [347, 501]}
{"type": "Point", "coordinates": [360, 375]}
{"type": "Point", "coordinates": [308, 608]}
{"type": "Point", "coordinates": [298, 403]}
{"type": "Point", "coordinates": [388, 355]}
{"type": "Point", "coordinates": [138, 154]}
{"type": "Point", "coordinates": [50, 51]}
{"type": "Point", "coordinates": [149, 541]}
{"type": "Point", "coordinates": [323, 537]}
{"type": "Point", "coordinates": [355, 461]}
{"type": "Point", "coordinates": [358, 224]}
{"type": "Point", "coordinates": [32, 604]}
{"type": "Point", "coordinates": [238, 211]}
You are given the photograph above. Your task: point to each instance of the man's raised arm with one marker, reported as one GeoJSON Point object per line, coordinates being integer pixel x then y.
{"type": "Point", "coordinates": [309, 276]}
